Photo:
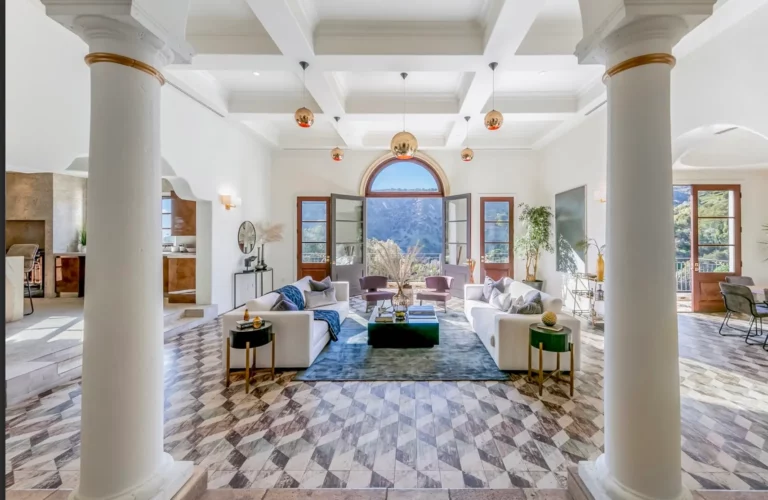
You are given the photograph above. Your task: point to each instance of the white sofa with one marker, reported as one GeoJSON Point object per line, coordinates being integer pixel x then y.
{"type": "Point", "coordinates": [300, 337]}
{"type": "Point", "coordinates": [506, 335]}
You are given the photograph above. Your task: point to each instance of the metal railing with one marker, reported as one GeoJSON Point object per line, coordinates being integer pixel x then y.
{"type": "Point", "coordinates": [684, 277]}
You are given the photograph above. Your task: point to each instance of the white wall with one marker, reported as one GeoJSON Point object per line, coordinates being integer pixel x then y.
{"type": "Point", "coordinates": [313, 173]}
{"type": "Point", "coordinates": [579, 158]}
{"type": "Point", "coordinates": [47, 127]}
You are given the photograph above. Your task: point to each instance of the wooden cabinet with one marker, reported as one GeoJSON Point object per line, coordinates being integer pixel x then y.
{"type": "Point", "coordinates": [181, 280]}
{"type": "Point", "coordinates": [183, 216]}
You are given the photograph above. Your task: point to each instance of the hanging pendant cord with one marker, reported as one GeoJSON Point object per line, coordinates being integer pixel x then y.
{"type": "Point", "coordinates": [403, 102]}
{"type": "Point", "coordinates": [493, 88]}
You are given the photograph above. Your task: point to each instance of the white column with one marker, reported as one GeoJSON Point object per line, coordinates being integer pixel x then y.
{"type": "Point", "coordinates": [642, 387]}
{"type": "Point", "coordinates": [122, 417]}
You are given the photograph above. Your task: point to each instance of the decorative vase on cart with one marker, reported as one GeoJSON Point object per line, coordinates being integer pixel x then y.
{"type": "Point", "coordinates": [600, 267]}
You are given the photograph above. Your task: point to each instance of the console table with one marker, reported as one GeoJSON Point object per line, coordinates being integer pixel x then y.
{"type": "Point", "coordinates": [258, 279]}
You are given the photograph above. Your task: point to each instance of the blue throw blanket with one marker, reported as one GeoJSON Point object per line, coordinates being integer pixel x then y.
{"type": "Point", "coordinates": [331, 317]}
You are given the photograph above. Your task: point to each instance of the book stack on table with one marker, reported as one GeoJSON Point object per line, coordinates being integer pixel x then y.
{"type": "Point", "coordinates": [421, 312]}
{"type": "Point", "coordinates": [385, 318]}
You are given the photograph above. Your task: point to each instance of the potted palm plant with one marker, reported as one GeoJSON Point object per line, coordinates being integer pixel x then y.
{"type": "Point", "coordinates": [536, 238]}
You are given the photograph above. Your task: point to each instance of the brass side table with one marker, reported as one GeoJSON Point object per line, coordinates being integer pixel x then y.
{"type": "Point", "coordinates": [251, 338]}
{"type": "Point", "coordinates": [547, 340]}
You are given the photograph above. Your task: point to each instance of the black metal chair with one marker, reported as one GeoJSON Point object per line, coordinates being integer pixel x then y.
{"type": "Point", "coordinates": [29, 252]}
{"type": "Point", "coordinates": [739, 299]}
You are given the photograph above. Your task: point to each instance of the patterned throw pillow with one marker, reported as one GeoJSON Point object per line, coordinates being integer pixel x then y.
{"type": "Point", "coordinates": [283, 303]}
{"type": "Point", "coordinates": [501, 301]}
{"type": "Point", "coordinates": [313, 300]}
{"type": "Point", "coordinates": [319, 286]}
{"type": "Point", "coordinates": [530, 303]}
{"type": "Point", "coordinates": [489, 285]}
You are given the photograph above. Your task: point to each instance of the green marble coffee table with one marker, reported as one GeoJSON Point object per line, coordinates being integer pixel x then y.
{"type": "Point", "coordinates": [412, 332]}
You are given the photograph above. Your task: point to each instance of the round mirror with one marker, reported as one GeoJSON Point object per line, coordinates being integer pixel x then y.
{"type": "Point", "coordinates": [246, 237]}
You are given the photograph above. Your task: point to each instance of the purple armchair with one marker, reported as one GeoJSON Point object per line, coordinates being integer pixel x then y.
{"type": "Point", "coordinates": [371, 293]}
{"type": "Point", "coordinates": [440, 290]}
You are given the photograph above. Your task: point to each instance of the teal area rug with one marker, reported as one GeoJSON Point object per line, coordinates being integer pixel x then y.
{"type": "Point", "coordinates": [459, 356]}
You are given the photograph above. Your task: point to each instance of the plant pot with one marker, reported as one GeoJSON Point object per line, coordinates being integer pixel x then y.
{"type": "Point", "coordinates": [537, 284]}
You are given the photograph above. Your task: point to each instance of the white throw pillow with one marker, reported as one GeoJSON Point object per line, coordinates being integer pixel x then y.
{"type": "Point", "coordinates": [501, 301]}
{"type": "Point", "coordinates": [313, 300]}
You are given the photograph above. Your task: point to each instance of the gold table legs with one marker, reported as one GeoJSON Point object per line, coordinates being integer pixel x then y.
{"type": "Point", "coordinates": [248, 364]}
{"type": "Point", "coordinates": [556, 375]}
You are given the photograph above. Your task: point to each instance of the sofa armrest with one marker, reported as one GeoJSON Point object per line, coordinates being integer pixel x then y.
{"type": "Point", "coordinates": [473, 292]}
{"type": "Point", "coordinates": [342, 290]}
{"type": "Point", "coordinates": [294, 329]}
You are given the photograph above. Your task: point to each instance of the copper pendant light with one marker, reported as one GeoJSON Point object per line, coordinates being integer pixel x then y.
{"type": "Point", "coordinates": [404, 144]}
{"type": "Point", "coordinates": [494, 119]}
{"type": "Point", "coordinates": [467, 154]}
{"type": "Point", "coordinates": [337, 154]}
{"type": "Point", "coordinates": [303, 116]}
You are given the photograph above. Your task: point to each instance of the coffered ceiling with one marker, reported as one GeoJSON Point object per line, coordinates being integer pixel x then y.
{"type": "Point", "coordinates": [248, 53]}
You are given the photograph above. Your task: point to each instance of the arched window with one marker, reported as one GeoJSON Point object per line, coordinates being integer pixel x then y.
{"type": "Point", "coordinates": [404, 178]}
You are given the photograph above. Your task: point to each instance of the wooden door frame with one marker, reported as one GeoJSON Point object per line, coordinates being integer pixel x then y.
{"type": "Point", "coordinates": [299, 201]}
{"type": "Point", "coordinates": [695, 188]}
{"type": "Point", "coordinates": [511, 201]}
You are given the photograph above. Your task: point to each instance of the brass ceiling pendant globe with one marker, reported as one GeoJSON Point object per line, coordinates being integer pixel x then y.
{"type": "Point", "coordinates": [404, 144]}
{"type": "Point", "coordinates": [493, 119]}
{"type": "Point", "coordinates": [467, 154]}
{"type": "Point", "coordinates": [303, 116]}
{"type": "Point", "coordinates": [337, 154]}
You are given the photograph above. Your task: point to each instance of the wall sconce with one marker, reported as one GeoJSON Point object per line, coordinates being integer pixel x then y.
{"type": "Point", "coordinates": [229, 201]}
{"type": "Point", "coordinates": [600, 196]}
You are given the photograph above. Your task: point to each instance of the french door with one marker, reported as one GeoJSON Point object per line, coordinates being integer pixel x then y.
{"type": "Point", "coordinates": [456, 232]}
{"type": "Point", "coordinates": [348, 240]}
{"type": "Point", "coordinates": [715, 242]}
{"type": "Point", "coordinates": [496, 235]}
{"type": "Point", "coordinates": [313, 231]}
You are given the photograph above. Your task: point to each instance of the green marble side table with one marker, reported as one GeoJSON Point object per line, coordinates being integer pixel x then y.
{"type": "Point", "coordinates": [547, 340]}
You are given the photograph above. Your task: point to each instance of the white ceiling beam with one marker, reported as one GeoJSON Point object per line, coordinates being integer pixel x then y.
{"type": "Point", "coordinates": [393, 104]}
{"type": "Point", "coordinates": [381, 140]}
{"type": "Point", "coordinates": [508, 21]}
{"type": "Point", "coordinates": [245, 105]}
{"type": "Point", "coordinates": [402, 38]}
{"type": "Point", "coordinates": [203, 87]}
{"type": "Point", "coordinates": [287, 24]}
{"type": "Point", "coordinates": [589, 100]}
{"type": "Point", "coordinates": [233, 44]}
{"type": "Point", "coordinates": [529, 104]}
{"type": "Point", "coordinates": [265, 130]}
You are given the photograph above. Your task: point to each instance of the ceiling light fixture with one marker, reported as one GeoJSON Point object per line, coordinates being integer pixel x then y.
{"type": "Point", "coordinates": [404, 144]}
{"type": "Point", "coordinates": [337, 154]}
{"type": "Point", "coordinates": [494, 119]}
{"type": "Point", "coordinates": [303, 116]}
{"type": "Point", "coordinates": [255, 73]}
{"type": "Point", "coordinates": [467, 154]}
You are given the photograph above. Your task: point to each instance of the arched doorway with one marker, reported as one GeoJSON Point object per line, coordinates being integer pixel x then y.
{"type": "Point", "coordinates": [406, 201]}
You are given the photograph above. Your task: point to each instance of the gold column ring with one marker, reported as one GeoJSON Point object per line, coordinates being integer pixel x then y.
{"type": "Point", "coordinates": [657, 58]}
{"type": "Point", "coordinates": [97, 57]}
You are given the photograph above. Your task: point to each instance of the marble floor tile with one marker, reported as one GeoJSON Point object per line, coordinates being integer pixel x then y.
{"type": "Point", "coordinates": [437, 435]}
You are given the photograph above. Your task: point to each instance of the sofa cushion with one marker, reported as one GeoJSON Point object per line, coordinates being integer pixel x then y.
{"type": "Point", "coordinates": [529, 303]}
{"type": "Point", "coordinates": [501, 301]}
{"type": "Point", "coordinates": [319, 329]}
{"type": "Point", "coordinates": [264, 303]}
{"type": "Point", "coordinates": [319, 286]}
{"type": "Point", "coordinates": [314, 300]}
{"type": "Point", "coordinates": [284, 304]}
{"type": "Point", "coordinates": [489, 285]}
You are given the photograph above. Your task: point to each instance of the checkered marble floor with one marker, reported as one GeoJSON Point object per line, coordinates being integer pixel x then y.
{"type": "Point", "coordinates": [290, 434]}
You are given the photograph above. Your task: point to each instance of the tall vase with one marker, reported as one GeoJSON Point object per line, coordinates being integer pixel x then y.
{"type": "Point", "coordinates": [400, 303]}
{"type": "Point", "coordinates": [600, 268]}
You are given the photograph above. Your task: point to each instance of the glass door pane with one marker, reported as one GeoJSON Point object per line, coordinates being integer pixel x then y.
{"type": "Point", "coordinates": [313, 234]}
{"type": "Point", "coordinates": [496, 237]}
{"type": "Point", "coordinates": [348, 249]}
{"type": "Point", "coordinates": [456, 239]}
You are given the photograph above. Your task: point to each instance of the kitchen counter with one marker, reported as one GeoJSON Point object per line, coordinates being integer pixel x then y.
{"type": "Point", "coordinates": [179, 255]}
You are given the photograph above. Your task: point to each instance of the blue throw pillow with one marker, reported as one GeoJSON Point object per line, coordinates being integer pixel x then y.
{"type": "Point", "coordinates": [284, 304]}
